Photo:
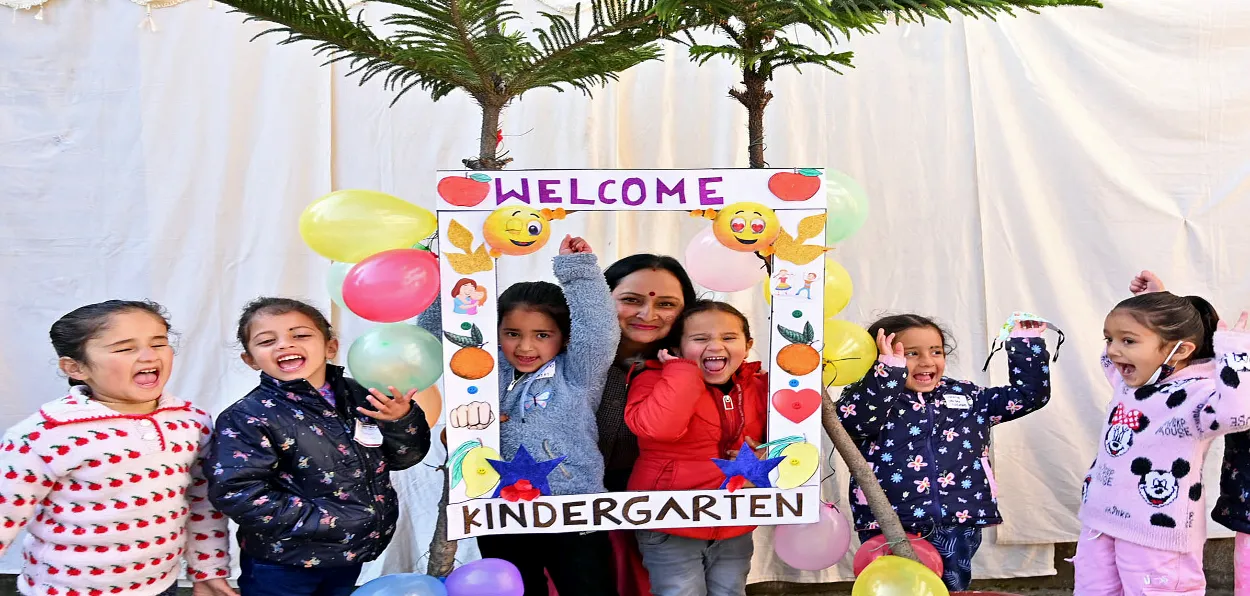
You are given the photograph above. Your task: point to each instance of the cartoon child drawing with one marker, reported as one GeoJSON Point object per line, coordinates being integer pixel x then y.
{"type": "Point", "coordinates": [782, 284]}
{"type": "Point", "coordinates": [468, 296]}
{"type": "Point", "coordinates": [808, 280]}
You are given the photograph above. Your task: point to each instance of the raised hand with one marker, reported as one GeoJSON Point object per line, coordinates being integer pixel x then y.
{"type": "Point", "coordinates": [1028, 329]}
{"type": "Point", "coordinates": [886, 345]}
{"type": "Point", "coordinates": [1145, 283]}
{"type": "Point", "coordinates": [389, 409]}
{"type": "Point", "coordinates": [1239, 326]}
{"type": "Point", "coordinates": [574, 245]}
{"type": "Point", "coordinates": [664, 356]}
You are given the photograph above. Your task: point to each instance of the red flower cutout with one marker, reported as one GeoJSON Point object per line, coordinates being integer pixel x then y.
{"type": "Point", "coordinates": [736, 483]}
{"type": "Point", "coordinates": [521, 491]}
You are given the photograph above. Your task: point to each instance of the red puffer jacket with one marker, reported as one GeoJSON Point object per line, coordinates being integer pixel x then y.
{"type": "Point", "coordinates": [683, 423]}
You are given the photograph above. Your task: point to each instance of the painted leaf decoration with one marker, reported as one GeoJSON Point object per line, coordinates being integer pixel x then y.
{"type": "Point", "coordinates": [477, 336]}
{"type": "Point", "coordinates": [787, 249]}
{"type": "Point", "coordinates": [809, 334]}
{"type": "Point", "coordinates": [480, 177]}
{"type": "Point", "coordinates": [809, 172]}
{"type": "Point", "coordinates": [456, 461]}
{"type": "Point", "coordinates": [468, 264]}
{"type": "Point", "coordinates": [792, 336]}
{"type": "Point", "coordinates": [811, 227]}
{"type": "Point", "coordinates": [460, 236]}
{"type": "Point", "coordinates": [463, 341]}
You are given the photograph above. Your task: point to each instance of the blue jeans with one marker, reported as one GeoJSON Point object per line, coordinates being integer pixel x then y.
{"type": "Point", "coordinates": [172, 591]}
{"type": "Point", "coordinates": [955, 544]}
{"type": "Point", "coordinates": [262, 578]}
{"type": "Point", "coordinates": [681, 566]}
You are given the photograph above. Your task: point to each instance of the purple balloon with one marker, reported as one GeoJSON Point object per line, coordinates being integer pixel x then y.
{"type": "Point", "coordinates": [813, 547]}
{"type": "Point", "coordinates": [486, 577]}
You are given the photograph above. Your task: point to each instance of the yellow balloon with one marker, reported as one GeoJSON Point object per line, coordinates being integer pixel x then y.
{"type": "Point", "coordinates": [349, 225]}
{"type": "Point", "coordinates": [838, 287]}
{"type": "Point", "coordinates": [849, 352]}
{"type": "Point", "coordinates": [800, 463]}
{"type": "Point", "coordinates": [896, 576]}
{"type": "Point", "coordinates": [479, 476]}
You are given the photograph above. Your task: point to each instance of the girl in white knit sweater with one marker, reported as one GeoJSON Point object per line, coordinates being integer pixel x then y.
{"type": "Point", "coordinates": [108, 478]}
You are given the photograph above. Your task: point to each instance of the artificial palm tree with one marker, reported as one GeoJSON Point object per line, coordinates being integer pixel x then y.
{"type": "Point", "coordinates": [479, 47]}
{"type": "Point", "coordinates": [761, 36]}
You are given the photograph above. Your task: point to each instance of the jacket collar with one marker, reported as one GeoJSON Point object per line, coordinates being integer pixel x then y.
{"type": "Point", "coordinates": [79, 407]}
{"type": "Point", "coordinates": [334, 376]}
{"type": "Point", "coordinates": [745, 371]}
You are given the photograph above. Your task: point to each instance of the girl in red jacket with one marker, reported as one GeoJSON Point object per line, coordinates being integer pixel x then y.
{"type": "Point", "coordinates": [698, 403]}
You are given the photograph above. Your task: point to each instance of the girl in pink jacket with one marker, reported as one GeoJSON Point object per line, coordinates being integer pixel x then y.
{"type": "Point", "coordinates": [1178, 383]}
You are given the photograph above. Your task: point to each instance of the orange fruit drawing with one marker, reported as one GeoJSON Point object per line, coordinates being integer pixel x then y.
{"type": "Point", "coordinates": [470, 362]}
{"type": "Point", "coordinates": [798, 358]}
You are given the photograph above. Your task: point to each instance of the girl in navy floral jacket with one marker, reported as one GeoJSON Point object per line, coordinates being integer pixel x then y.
{"type": "Point", "coordinates": [927, 436]}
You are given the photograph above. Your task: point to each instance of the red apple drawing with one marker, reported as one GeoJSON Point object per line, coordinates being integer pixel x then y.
{"type": "Point", "coordinates": [795, 186]}
{"type": "Point", "coordinates": [61, 449]}
{"type": "Point", "coordinates": [464, 191]}
{"type": "Point", "coordinates": [99, 507]}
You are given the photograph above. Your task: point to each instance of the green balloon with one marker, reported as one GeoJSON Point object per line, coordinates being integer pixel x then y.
{"type": "Point", "coordinates": [848, 206]}
{"type": "Point", "coordinates": [334, 281]}
{"type": "Point", "coordinates": [398, 355]}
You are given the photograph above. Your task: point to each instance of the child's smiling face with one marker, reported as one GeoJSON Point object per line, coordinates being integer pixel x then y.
{"type": "Point", "coordinates": [529, 339]}
{"type": "Point", "coordinates": [127, 363]}
{"type": "Point", "coordinates": [289, 346]}
{"type": "Point", "coordinates": [925, 351]}
{"type": "Point", "coordinates": [1136, 351]}
{"type": "Point", "coordinates": [717, 342]}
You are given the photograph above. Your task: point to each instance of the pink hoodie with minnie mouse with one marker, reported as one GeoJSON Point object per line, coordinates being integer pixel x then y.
{"type": "Point", "coordinates": [1146, 486]}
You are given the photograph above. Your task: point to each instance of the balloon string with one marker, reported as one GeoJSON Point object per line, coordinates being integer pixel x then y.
{"type": "Point", "coordinates": [891, 545]}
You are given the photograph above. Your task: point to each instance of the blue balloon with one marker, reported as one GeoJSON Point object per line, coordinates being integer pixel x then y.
{"type": "Point", "coordinates": [402, 584]}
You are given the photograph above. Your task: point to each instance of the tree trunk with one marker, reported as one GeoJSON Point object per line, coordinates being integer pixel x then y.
{"type": "Point", "coordinates": [488, 141]}
{"type": "Point", "coordinates": [754, 97]}
{"type": "Point", "coordinates": [442, 550]}
{"type": "Point", "coordinates": [891, 527]}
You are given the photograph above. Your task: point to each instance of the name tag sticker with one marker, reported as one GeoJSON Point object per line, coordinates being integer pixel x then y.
{"type": "Point", "coordinates": [957, 402]}
{"type": "Point", "coordinates": [368, 435]}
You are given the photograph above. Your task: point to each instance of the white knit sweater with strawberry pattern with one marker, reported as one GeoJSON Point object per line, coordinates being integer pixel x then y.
{"type": "Point", "coordinates": [111, 501]}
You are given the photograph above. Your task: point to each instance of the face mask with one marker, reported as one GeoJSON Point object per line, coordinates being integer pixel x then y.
{"type": "Point", "coordinates": [1165, 370]}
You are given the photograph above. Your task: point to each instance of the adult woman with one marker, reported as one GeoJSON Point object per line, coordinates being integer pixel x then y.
{"type": "Point", "coordinates": [650, 291]}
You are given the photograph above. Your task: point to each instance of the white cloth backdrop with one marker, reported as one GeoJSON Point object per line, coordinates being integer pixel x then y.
{"type": "Point", "coordinates": [1029, 164]}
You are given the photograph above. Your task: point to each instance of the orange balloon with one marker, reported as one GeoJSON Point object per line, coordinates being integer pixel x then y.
{"type": "Point", "coordinates": [431, 403]}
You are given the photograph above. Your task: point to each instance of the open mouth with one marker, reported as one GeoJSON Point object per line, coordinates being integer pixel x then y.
{"type": "Point", "coordinates": [924, 378]}
{"type": "Point", "coordinates": [290, 363]}
{"type": "Point", "coordinates": [521, 244]}
{"type": "Point", "coordinates": [526, 360]}
{"type": "Point", "coordinates": [147, 378]}
{"type": "Point", "coordinates": [1126, 370]}
{"type": "Point", "coordinates": [745, 241]}
{"type": "Point", "coordinates": [715, 364]}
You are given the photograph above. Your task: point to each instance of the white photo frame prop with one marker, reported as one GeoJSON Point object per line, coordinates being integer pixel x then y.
{"type": "Point", "coordinates": [469, 287]}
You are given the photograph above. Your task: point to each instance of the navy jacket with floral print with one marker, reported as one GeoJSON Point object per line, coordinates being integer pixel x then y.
{"type": "Point", "coordinates": [1232, 510]}
{"type": "Point", "coordinates": [286, 468]}
{"type": "Point", "coordinates": [931, 450]}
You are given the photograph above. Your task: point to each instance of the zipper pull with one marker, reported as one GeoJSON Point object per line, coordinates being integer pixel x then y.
{"type": "Point", "coordinates": [729, 403]}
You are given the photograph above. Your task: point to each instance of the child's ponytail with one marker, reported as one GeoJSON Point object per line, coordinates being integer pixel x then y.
{"type": "Point", "coordinates": [1210, 319]}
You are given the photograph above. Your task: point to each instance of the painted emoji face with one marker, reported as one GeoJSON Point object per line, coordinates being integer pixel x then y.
{"type": "Point", "coordinates": [516, 231]}
{"type": "Point", "coordinates": [746, 227]}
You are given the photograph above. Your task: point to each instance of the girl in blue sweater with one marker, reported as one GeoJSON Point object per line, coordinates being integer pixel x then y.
{"type": "Point", "coordinates": [556, 347]}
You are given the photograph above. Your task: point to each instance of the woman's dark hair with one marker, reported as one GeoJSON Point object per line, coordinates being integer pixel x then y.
{"type": "Point", "coordinates": [702, 306]}
{"type": "Point", "coordinates": [634, 263]}
{"type": "Point", "coordinates": [71, 332]}
{"type": "Point", "coordinates": [899, 323]}
{"type": "Point", "coordinates": [280, 306]}
{"type": "Point", "coordinates": [1175, 318]}
{"type": "Point", "coordinates": [538, 296]}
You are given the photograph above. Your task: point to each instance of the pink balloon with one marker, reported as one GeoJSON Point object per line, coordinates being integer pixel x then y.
{"type": "Point", "coordinates": [817, 546]}
{"type": "Point", "coordinates": [392, 285]}
{"type": "Point", "coordinates": [720, 269]}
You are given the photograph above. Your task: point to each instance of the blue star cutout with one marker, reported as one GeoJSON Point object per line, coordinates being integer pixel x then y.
{"type": "Point", "coordinates": [748, 466]}
{"type": "Point", "coordinates": [523, 467]}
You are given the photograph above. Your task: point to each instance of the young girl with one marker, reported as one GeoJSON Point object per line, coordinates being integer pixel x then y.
{"type": "Point", "coordinates": [111, 473]}
{"type": "Point", "coordinates": [1178, 383]}
{"type": "Point", "coordinates": [928, 436]}
{"type": "Point", "coordinates": [700, 401]}
{"type": "Point", "coordinates": [556, 349]}
{"type": "Point", "coordinates": [302, 462]}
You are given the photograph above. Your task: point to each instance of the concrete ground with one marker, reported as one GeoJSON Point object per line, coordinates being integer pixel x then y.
{"type": "Point", "coordinates": [1218, 560]}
